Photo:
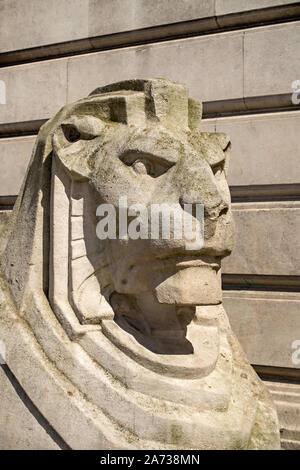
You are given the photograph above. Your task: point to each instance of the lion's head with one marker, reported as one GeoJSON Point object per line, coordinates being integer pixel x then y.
{"type": "Point", "coordinates": [140, 140]}
{"type": "Point", "coordinates": [134, 321]}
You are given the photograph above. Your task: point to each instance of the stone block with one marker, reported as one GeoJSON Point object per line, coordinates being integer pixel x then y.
{"type": "Point", "coordinates": [271, 59]}
{"type": "Point", "coordinates": [266, 141]}
{"type": "Point", "coordinates": [199, 62]}
{"type": "Point", "coordinates": [266, 324]}
{"type": "Point", "coordinates": [125, 15]}
{"type": "Point", "coordinates": [267, 239]}
{"type": "Point", "coordinates": [226, 7]}
{"type": "Point", "coordinates": [33, 91]}
{"type": "Point", "coordinates": [14, 157]}
{"type": "Point", "coordinates": [20, 429]}
{"type": "Point", "coordinates": [41, 22]}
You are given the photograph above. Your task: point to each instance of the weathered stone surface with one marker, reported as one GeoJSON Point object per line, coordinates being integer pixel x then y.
{"type": "Point", "coordinates": [57, 21]}
{"type": "Point", "coordinates": [20, 429]}
{"type": "Point", "coordinates": [225, 7]}
{"type": "Point", "coordinates": [33, 91]}
{"type": "Point", "coordinates": [263, 74]}
{"type": "Point", "coordinates": [61, 21]}
{"type": "Point", "coordinates": [266, 323]}
{"type": "Point", "coordinates": [182, 60]}
{"type": "Point", "coordinates": [263, 231]}
{"type": "Point", "coordinates": [287, 399]}
{"type": "Point", "coordinates": [14, 158]}
{"type": "Point", "coordinates": [175, 58]}
{"type": "Point", "coordinates": [265, 141]}
{"type": "Point", "coordinates": [4, 216]}
{"type": "Point", "coordinates": [4, 219]}
{"type": "Point", "coordinates": [41, 22]}
{"type": "Point", "coordinates": [128, 333]}
{"type": "Point", "coordinates": [126, 15]}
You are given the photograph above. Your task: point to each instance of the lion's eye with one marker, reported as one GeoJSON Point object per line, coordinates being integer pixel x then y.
{"type": "Point", "coordinates": [71, 133]}
{"type": "Point", "coordinates": [74, 133]}
{"type": "Point", "coordinates": [144, 164]}
{"type": "Point", "coordinates": [142, 167]}
{"type": "Point", "coordinates": [218, 168]}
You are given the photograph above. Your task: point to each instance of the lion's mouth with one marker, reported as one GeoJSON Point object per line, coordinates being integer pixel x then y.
{"type": "Point", "coordinates": [190, 352]}
{"type": "Point", "coordinates": [187, 261]}
{"type": "Point", "coordinates": [178, 261]}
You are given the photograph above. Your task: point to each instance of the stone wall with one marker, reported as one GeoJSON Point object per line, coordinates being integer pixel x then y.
{"type": "Point", "coordinates": [240, 58]}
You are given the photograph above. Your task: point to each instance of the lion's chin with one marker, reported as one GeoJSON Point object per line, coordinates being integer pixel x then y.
{"type": "Point", "coordinates": [191, 355]}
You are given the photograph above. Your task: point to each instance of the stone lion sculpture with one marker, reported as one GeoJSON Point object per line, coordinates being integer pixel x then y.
{"type": "Point", "coordinates": [128, 337]}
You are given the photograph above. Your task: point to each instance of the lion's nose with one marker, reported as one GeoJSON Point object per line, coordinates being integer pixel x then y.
{"type": "Point", "coordinates": [212, 212]}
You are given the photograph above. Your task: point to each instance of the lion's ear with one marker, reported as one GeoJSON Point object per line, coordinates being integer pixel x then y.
{"type": "Point", "coordinates": [214, 147]}
{"type": "Point", "coordinates": [225, 144]}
